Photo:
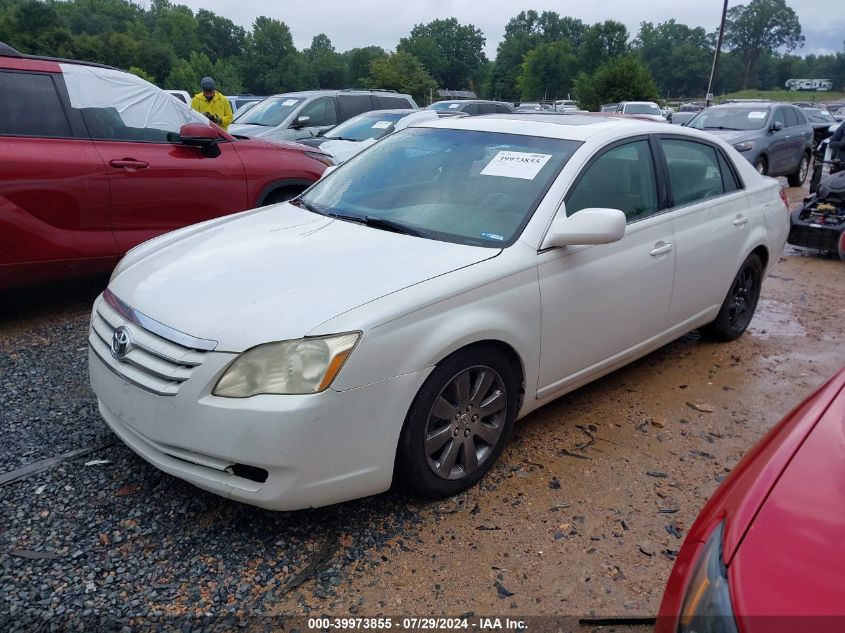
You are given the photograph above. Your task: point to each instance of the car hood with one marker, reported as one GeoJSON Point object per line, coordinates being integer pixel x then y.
{"type": "Point", "coordinates": [732, 137]}
{"type": "Point", "coordinates": [277, 273]}
{"type": "Point", "coordinates": [791, 559]}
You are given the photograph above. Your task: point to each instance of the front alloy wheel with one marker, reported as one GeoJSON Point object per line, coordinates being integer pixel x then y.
{"type": "Point", "coordinates": [465, 422]}
{"type": "Point", "coordinates": [459, 422]}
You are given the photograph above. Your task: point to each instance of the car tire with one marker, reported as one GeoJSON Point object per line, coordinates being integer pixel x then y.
{"type": "Point", "coordinates": [281, 195]}
{"type": "Point", "coordinates": [458, 423]}
{"type": "Point", "coordinates": [841, 247]}
{"type": "Point", "coordinates": [740, 303]}
{"type": "Point", "coordinates": [797, 179]}
{"type": "Point", "coordinates": [762, 166]}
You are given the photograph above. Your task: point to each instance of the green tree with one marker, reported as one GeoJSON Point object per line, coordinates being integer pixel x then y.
{"type": "Point", "coordinates": [619, 79]}
{"type": "Point", "coordinates": [357, 62]}
{"type": "Point", "coordinates": [451, 52]}
{"type": "Point", "coordinates": [602, 41]}
{"type": "Point", "coordinates": [677, 56]}
{"type": "Point", "coordinates": [141, 73]}
{"type": "Point", "coordinates": [403, 72]}
{"type": "Point", "coordinates": [759, 27]}
{"type": "Point", "coordinates": [547, 71]}
{"type": "Point", "coordinates": [219, 37]}
{"type": "Point", "coordinates": [272, 63]}
{"type": "Point", "coordinates": [524, 32]}
{"type": "Point", "coordinates": [325, 66]}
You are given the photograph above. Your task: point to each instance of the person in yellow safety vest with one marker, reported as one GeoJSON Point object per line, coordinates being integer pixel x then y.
{"type": "Point", "coordinates": [212, 104]}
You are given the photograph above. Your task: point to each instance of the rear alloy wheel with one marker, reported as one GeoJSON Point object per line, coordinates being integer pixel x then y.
{"type": "Point", "coordinates": [797, 179]}
{"type": "Point", "coordinates": [459, 423]}
{"type": "Point", "coordinates": [739, 306]}
{"type": "Point", "coordinates": [761, 166]}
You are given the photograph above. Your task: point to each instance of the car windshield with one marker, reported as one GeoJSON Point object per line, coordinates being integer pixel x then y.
{"type": "Point", "coordinates": [468, 187]}
{"type": "Point", "coordinates": [371, 125]}
{"type": "Point", "coordinates": [819, 116]}
{"type": "Point", "coordinates": [730, 119]}
{"type": "Point", "coordinates": [445, 105]}
{"type": "Point", "coordinates": [642, 108]}
{"type": "Point", "coordinates": [270, 112]}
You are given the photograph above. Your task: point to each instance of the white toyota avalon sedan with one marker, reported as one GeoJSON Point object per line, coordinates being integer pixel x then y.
{"type": "Point", "coordinates": [396, 318]}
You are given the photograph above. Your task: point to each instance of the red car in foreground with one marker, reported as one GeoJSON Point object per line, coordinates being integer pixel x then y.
{"type": "Point", "coordinates": [94, 160]}
{"type": "Point", "coordinates": [766, 553]}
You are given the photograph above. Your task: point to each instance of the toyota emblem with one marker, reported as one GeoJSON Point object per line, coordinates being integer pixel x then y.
{"type": "Point", "coordinates": [120, 342]}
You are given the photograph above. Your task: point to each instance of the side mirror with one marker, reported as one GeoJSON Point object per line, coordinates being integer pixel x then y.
{"type": "Point", "coordinates": [588, 226]}
{"type": "Point", "coordinates": [300, 121]}
{"type": "Point", "coordinates": [199, 135]}
{"type": "Point", "coordinates": [777, 126]}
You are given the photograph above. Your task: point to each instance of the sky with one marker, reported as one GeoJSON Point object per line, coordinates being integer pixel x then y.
{"type": "Point", "coordinates": [356, 23]}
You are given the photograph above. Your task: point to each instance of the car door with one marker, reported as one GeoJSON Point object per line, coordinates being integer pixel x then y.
{"type": "Point", "coordinates": [601, 304]}
{"type": "Point", "coordinates": [779, 147]}
{"type": "Point", "coordinates": [54, 192]}
{"type": "Point", "coordinates": [712, 226]}
{"type": "Point", "coordinates": [157, 183]}
{"type": "Point", "coordinates": [322, 116]}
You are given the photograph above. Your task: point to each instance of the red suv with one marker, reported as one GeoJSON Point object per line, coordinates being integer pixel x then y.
{"type": "Point", "coordinates": [94, 160]}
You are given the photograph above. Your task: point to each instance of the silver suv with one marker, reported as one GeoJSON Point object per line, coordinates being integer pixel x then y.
{"type": "Point", "coordinates": [296, 115]}
{"type": "Point", "coordinates": [774, 137]}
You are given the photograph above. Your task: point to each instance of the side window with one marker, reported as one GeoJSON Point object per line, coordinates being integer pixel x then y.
{"type": "Point", "coordinates": [486, 108]}
{"type": "Point", "coordinates": [503, 109]}
{"type": "Point", "coordinates": [621, 178]}
{"type": "Point", "coordinates": [802, 119]}
{"type": "Point", "coordinates": [694, 172]}
{"type": "Point", "coordinates": [790, 118]}
{"type": "Point", "coordinates": [322, 112]}
{"type": "Point", "coordinates": [729, 178]}
{"type": "Point", "coordinates": [353, 105]}
{"type": "Point", "coordinates": [392, 103]}
{"type": "Point", "coordinates": [778, 116]}
{"type": "Point", "coordinates": [31, 106]}
{"type": "Point", "coordinates": [471, 109]}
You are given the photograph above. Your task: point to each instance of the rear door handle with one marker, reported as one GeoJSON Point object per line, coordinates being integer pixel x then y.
{"type": "Point", "coordinates": [661, 248]}
{"type": "Point", "coordinates": [129, 164]}
{"type": "Point", "coordinates": [740, 220]}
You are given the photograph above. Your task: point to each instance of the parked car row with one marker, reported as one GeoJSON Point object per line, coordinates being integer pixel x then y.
{"type": "Point", "coordinates": [96, 161]}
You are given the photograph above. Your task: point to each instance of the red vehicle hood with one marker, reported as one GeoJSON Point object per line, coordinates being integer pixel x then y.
{"type": "Point", "coordinates": [791, 560]}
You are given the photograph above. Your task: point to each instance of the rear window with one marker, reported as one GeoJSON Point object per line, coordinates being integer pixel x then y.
{"type": "Point", "coordinates": [393, 103]}
{"type": "Point", "coordinates": [30, 106]}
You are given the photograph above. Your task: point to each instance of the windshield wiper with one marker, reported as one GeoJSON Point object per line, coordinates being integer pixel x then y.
{"type": "Point", "coordinates": [390, 225]}
{"type": "Point", "coordinates": [299, 202]}
{"type": "Point", "coordinates": [722, 127]}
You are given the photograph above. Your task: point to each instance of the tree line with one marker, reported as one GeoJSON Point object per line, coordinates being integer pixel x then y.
{"type": "Point", "coordinates": [542, 55]}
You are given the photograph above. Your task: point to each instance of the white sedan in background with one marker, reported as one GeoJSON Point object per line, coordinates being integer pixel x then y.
{"type": "Point", "coordinates": [343, 141]}
{"type": "Point", "coordinates": [399, 315]}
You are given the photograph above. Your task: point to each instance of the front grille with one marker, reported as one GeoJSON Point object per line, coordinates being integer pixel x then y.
{"type": "Point", "coordinates": [151, 362]}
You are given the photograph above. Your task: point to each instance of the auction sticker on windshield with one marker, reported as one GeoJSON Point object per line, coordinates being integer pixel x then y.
{"type": "Point", "coordinates": [516, 165]}
{"type": "Point", "coordinates": [289, 102]}
{"type": "Point", "coordinates": [756, 115]}
{"type": "Point", "coordinates": [381, 125]}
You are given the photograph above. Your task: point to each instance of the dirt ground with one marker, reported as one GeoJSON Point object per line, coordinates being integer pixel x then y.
{"type": "Point", "coordinates": [582, 515]}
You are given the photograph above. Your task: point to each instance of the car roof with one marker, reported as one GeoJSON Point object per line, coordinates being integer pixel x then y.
{"type": "Point", "coordinates": [8, 51]}
{"type": "Point", "coordinates": [752, 105]}
{"type": "Point", "coordinates": [302, 94]}
{"type": "Point", "coordinates": [576, 127]}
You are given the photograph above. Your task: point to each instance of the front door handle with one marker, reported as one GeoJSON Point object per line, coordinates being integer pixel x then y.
{"type": "Point", "coordinates": [129, 164]}
{"type": "Point", "coordinates": [661, 248]}
{"type": "Point", "coordinates": [740, 220]}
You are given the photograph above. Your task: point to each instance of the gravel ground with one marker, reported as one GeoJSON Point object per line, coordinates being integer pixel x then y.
{"type": "Point", "coordinates": [582, 516]}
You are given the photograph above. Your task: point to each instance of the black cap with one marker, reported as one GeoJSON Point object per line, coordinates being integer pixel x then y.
{"type": "Point", "coordinates": [207, 83]}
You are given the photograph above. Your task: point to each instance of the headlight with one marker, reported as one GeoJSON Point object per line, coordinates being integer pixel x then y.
{"type": "Point", "coordinates": [307, 365]}
{"type": "Point", "coordinates": [745, 146]}
{"type": "Point", "coordinates": [707, 601]}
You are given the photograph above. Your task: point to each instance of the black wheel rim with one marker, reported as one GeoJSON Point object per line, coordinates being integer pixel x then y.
{"type": "Point", "coordinates": [743, 298]}
{"type": "Point", "coordinates": [465, 422]}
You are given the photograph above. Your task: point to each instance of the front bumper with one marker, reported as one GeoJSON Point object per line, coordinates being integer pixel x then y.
{"type": "Point", "coordinates": [316, 449]}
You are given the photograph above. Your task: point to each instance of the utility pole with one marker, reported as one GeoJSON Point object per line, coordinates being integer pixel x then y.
{"type": "Point", "coordinates": [708, 97]}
